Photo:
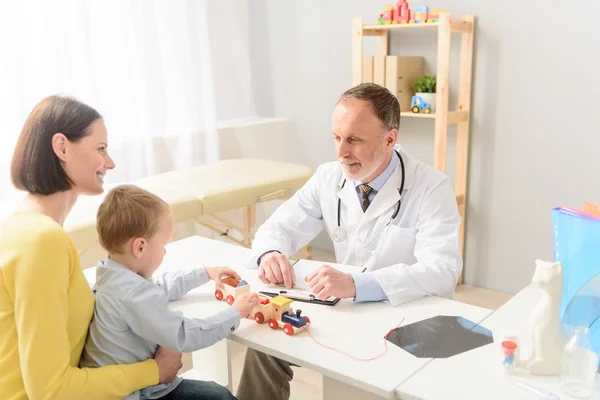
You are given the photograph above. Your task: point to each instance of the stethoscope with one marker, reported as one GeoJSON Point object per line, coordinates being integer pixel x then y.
{"type": "Point", "coordinates": [339, 234]}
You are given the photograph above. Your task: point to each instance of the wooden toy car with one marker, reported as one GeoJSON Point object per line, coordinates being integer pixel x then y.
{"type": "Point", "coordinates": [277, 311]}
{"type": "Point", "coordinates": [263, 310]}
{"type": "Point", "coordinates": [233, 288]}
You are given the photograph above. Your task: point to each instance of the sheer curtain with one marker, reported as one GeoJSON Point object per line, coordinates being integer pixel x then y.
{"type": "Point", "coordinates": [145, 65]}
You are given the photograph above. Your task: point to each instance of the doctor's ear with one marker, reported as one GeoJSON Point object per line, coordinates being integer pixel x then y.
{"type": "Point", "coordinates": [59, 145]}
{"type": "Point", "coordinates": [391, 137]}
{"type": "Point", "coordinates": [138, 246]}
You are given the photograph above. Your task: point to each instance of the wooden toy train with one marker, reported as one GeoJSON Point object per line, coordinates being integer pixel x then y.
{"type": "Point", "coordinates": [277, 311]}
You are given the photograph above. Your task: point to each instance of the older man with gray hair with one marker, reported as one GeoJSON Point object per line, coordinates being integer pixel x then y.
{"type": "Point", "coordinates": [392, 216]}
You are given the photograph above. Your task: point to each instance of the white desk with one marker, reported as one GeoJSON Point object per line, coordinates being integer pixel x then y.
{"type": "Point", "coordinates": [478, 374]}
{"type": "Point", "coordinates": [355, 328]}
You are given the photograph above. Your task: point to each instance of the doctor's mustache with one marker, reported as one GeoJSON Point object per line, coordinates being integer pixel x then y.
{"type": "Point", "coordinates": [348, 161]}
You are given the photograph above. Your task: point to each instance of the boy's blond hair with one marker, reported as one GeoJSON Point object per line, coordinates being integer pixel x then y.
{"type": "Point", "coordinates": [128, 212]}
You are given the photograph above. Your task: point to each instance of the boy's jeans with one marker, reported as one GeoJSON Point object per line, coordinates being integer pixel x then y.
{"type": "Point", "coordinates": [190, 389]}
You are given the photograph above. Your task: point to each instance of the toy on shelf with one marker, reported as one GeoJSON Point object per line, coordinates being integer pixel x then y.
{"type": "Point", "coordinates": [400, 14]}
{"type": "Point", "coordinates": [421, 12]}
{"type": "Point", "coordinates": [387, 17]}
{"type": "Point", "coordinates": [417, 105]}
{"type": "Point", "coordinates": [434, 15]}
{"type": "Point", "coordinates": [277, 311]}
{"type": "Point", "coordinates": [425, 90]}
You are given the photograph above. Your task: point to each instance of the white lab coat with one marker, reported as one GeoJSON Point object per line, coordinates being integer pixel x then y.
{"type": "Point", "coordinates": [416, 255]}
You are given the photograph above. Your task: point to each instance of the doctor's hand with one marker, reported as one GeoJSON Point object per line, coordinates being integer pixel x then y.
{"type": "Point", "coordinates": [327, 281]}
{"type": "Point", "coordinates": [216, 273]}
{"type": "Point", "coordinates": [275, 268]}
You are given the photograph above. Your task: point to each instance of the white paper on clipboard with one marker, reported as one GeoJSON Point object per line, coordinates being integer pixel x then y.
{"type": "Point", "coordinates": [301, 291]}
{"type": "Point", "coordinates": [294, 294]}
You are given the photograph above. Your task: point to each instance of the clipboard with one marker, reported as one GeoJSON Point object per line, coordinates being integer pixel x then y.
{"type": "Point", "coordinates": [297, 295]}
{"type": "Point", "coordinates": [303, 268]}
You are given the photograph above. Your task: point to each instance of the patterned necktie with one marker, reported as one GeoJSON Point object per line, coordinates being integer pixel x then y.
{"type": "Point", "coordinates": [365, 190]}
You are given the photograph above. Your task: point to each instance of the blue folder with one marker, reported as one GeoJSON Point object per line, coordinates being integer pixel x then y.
{"type": "Point", "coordinates": [577, 248]}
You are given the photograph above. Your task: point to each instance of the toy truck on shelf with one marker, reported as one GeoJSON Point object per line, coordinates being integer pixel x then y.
{"type": "Point", "coordinates": [417, 105]}
{"type": "Point", "coordinates": [277, 311]}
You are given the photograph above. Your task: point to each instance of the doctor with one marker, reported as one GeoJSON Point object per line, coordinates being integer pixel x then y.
{"type": "Point", "coordinates": [385, 211]}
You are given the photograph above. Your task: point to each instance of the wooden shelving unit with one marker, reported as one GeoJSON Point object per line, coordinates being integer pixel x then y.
{"type": "Point", "coordinates": [442, 116]}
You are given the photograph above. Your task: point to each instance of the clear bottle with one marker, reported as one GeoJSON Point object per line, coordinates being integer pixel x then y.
{"type": "Point", "coordinates": [580, 365]}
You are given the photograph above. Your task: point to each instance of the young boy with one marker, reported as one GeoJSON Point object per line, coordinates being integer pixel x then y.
{"type": "Point", "coordinates": [131, 315]}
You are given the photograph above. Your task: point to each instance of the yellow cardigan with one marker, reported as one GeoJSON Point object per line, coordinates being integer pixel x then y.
{"type": "Point", "coordinates": [46, 306]}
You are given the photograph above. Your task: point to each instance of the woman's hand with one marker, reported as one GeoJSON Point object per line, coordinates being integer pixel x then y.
{"type": "Point", "coordinates": [216, 273]}
{"type": "Point", "coordinates": [169, 363]}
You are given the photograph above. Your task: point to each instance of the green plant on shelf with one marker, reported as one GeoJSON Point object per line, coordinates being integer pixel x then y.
{"type": "Point", "coordinates": [425, 84]}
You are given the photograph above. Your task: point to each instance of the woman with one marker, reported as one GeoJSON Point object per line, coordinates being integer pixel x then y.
{"type": "Point", "coordinates": [45, 302]}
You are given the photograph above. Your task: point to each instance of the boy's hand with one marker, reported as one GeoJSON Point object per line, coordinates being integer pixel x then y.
{"type": "Point", "coordinates": [216, 273]}
{"type": "Point", "coordinates": [245, 302]}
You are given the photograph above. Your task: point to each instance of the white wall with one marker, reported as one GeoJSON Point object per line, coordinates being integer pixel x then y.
{"type": "Point", "coordinates": [251, 137]}
{"type": "Point", "coordinates": [534, 132]}
{"type": "Point", "coordinates": [230, 52]}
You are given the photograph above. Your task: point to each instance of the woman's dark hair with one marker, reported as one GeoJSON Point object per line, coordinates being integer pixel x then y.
{"type": "Point", "coordinates": [35, 168]}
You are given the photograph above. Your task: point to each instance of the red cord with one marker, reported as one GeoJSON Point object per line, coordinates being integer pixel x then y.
{"type": "Point", "coordinates": [357, 358]}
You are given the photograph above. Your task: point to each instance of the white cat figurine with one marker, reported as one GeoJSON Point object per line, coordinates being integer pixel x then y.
{"type": "Point", "coordinates": [544, 331]}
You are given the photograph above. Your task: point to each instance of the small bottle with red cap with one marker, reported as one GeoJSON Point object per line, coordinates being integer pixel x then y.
{"type": "Point", "coordinates": [509, 348]}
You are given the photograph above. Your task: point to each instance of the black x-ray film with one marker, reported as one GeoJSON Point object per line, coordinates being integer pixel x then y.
{"type": "Point", "coordinates": [440, 337]}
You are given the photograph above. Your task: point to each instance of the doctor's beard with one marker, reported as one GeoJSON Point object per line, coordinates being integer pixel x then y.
{"type": "Point", "coordinates": [365, 170]}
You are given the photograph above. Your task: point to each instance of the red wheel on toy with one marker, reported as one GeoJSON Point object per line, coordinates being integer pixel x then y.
{"type": "Point", "coordinates": [273, 323]}
{"type": "Point", "coordinates": [259, 317]}
{"type": "Point", "coordinates": [230, 299]}
{"type": "Point", "coordinates": [307, 319]}
{"type": "Point", "coordinates": [288, 329]}
{"type": "Point", "coordinates": [219, 295]}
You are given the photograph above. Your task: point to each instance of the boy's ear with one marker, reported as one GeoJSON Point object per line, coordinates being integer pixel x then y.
{"type": "Point", "coordinates": [139, 245]}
